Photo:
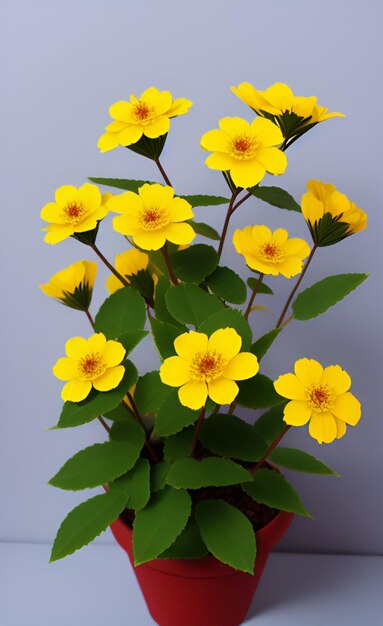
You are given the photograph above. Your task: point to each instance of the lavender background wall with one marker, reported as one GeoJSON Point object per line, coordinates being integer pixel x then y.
{"type": "Point", "coordinates": [64, 62]}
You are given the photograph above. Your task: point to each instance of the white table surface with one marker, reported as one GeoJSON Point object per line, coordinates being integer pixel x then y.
{"type": "Point", "coordinates": [96, 587]}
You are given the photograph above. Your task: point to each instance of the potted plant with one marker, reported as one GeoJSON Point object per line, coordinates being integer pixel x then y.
{"type": "Point", "coordinates": [192, 492]}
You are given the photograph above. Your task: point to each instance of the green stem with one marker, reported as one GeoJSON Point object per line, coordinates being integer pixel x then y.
{"type": "Point", "coordinates": [196, 431]}
{"type": "Point", "coordinates": [109, 265]}
{"type": "Point", "coordinates": [163, 173]}
{"type": "Point", "coordinates": [292, 294]}
{"type": "Point", "coordinates": [172, 275]}
{"type": "Point", "coordinates": [251, 301]}
{"type": "Point", "coordinates": [269, 450]}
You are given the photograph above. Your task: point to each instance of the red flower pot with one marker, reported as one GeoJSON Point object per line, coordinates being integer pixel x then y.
{"type": "Point", "coordinates": [201, 592]}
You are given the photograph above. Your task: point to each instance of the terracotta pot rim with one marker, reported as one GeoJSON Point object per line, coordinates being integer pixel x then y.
{"type": "Point", "coordinates": [215, 568]}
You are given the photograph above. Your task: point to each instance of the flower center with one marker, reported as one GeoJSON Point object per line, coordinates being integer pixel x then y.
{"type": "Point", "coordinates": [271, 253]}
{"type": "Point", "coordinates": [142, 111]}
{"type": "Point", "coordinates": [207, 366]}
{"type": "Point", "coordinates": [243, 147]}
{"type": "Point", "coordinates": [320, 398]}
{"type": "Point", "coordinates": [74, 212]}
{"type": "Point", "coordinates": [91, 366]}
{"type": "Point", "coordinates": [153, 218]}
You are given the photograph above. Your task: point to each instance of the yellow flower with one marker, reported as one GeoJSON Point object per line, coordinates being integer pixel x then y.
{"type": "Point", "coordinates": [152, 217]}
{"type": "Point", "coordinates": [245, 150]}
{"type": "Point", "coordinates": [330, 215]}
{"type": "Point", "coordinates": [74, 211]}
{"type": "Point", "coordinates": [291, 113]}
{"type": "Point", "coordinates": [127, 264]}
{"type": "Point", "coordinates": [208, 367]}
{"type": "Point", "coordinates": [271, 253]}
{"type": "Point", "coordinates": [93, 362]}
{"type": "Point", "coordinates": [73, 285]}
{"type": "Point", "coordinates": [147, 115]}
{"type": "Point", "coordinates": [320, 396]}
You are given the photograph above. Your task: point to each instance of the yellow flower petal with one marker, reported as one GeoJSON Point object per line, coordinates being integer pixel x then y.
{"type": "Point", "coordinates": [121, 111]}
{"type": "Point", "coordinates": [215, 141]}
{"type": "Point", "coordinates": [175, 371]}
{"type": "Point", "coordinates": [296, 413]}
{"type": "Point", "coordinates": [193, 394]}
{"type": "Point", "coordinates": [336, 378]}
{"type": "Point", "coordinates": [130, 135]}
{"type": "Point", "coordinates": [57, 233]}
{"type": "Point", "coordinates": [244, 365]}
{"type": "Point", "coordinates": [268, 132]}
{"type": "Point", "coordinates": [66, 194]}
{"type": "Point", "coordinates": [108, 141]}
{"type": "Point", "coordinates": [180, 233]}
{"type": "Point", "coordinates": [156, 194]}
{"type": "Point", "coordinates": [113, 353]}
{"type": "Point", "coordinates": [53, 213]}
{"type": "Point", "coordinates": [308, 371]}
{"type": "Point", "coordinates": [225, 341]}
{"type": "Point", "coordinates": [76, 347]}
{"type": "Point", "coordinates": [323, 428]}
{"type": "Point", "coordinates": [110, 379]}
{"type": "Point", "coordinates": [289, 386]}
{"type": "Point", "coordinates": [113, 284]}
{"type": "Point", "coordinates": [347, 408]}
{"type": "Point", "coordinates": [273, 160]}
{"type": "Point", "coordinates": [220, 161]}
{"type": "Point", "coordinates": [223, 390]}
{"type": "Point", "coordinates": [234, 126]}
{"type": "Point", "coordinates": [128, 203]}
{"type": "Point", "coordinates": [90, 195]}
{"type": "Point", "coordinates": [179, 210]}
{"type": "Point", "coordinates": [290, 267]}
{"type": "Point", "coordinates": [158, 127]}
{"type": "Point", "coordinates": [188, 344]}
{"type": "Point", "coordinates": [96, 342]}
{"type": "Point", "coordinates": [340, 428]}
{"type": "Point", "coordinates": [295, 245]}
{"type": "Point", "coordinates": [149, 240]}
{"type": "Point", "coordinates": [123, 224]}
{"type": "Point", "coordinates": [65, 369]}
{"type": "Point", "coordinates": [261, 233]}
{"type": "Point", "coordinates": [247, 173]}
{"type": "Point", "coordinates": [76, 390]}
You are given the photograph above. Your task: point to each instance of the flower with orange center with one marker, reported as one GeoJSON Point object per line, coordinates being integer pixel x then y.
{"type": "Point", "coordinates": [93, 362]}
{"type": "Point", "coordinates": [245, 150]}
{"type": "Point", "coordinates": [148, 115]}
{"type": "Point", "coordinates": [153, 216]}
{"type": "Point", "coordinates": [330, 215]}
{"type": "Point", "coordinates": [208, 366]}
{"type": "Point", "coordinates": [271, 253]}
{"type": "Point", "coordinates": [293, 114]}
{"type": "Point", "coordinates": [74, 211]}
{"type": "Point", "coordinates": [319, 395]}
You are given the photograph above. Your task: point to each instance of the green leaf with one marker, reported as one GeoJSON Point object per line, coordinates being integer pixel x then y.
{"type": "Point", "coordinates": [194, 263]}
{"type": "Point", "coordinates": [150, 392]}
{"type": "Point", "coordinates": [98, 402]}
{"type": "Point", "coordinates": [227, 285]}
{"type": "Point", "coordinates": [179, 446]}
{"type": "Point", "coordinates": [96, 465]}
{"type": "Point", "coordinates": [228, 317]}
{"type": "Point", "coordinates": [271, 423]}
{"type": "Point", "coordinates": [87, 520]}
{"type": "Point", "coordinates": [205, 230]}
{"type": "Point", "coordinates": [160, 307]}
{"type": "Point", "coordinates": [128, 430]}
{"type": "Point", "coordinates": [131, 339]}
{"type": "Point", "coordinates": [188, 545]}
{"type": "Point", "coordinates": [324, 294]}
{"type": "Point", "coordinates": [135, 485]}
{"type": "Point", "coordinates": [173, 417]}
{"type": "Point", "coordinates": [159, 524]}
{"type": "Point", "coordinates": [231, 437]}
{"type": "Point", "coordinates": [271, 488]}
{"type": "Point", "coordinates": [227, 533]}
{"type": "Point", "coordinates": [164, 335]}
{"type": "Point", "coordinates": [262, 345]}
{"type": "Point", "coordinates": [210, 472]}
{"type": "Point", "coordinates": [158, 475]}
{"type": "Point", "coordinates": [262, 287]}
{"type": "Point", "coordinates": [203, 200]}
{"type": "Point", "coordinates": [258, 393]}
{"type": "Point", "coordinates": [300, 461]}
{"type": "Point", "coordinates": [122, 312]}
{"type": "Point", "coordinates": [120, 183]}
{"type": "Point", "coordinates": [276, 196]}
{"type": "Point", "coordinates": [191, 305]}
{"type": "Point", "coordinates": [148, 147]}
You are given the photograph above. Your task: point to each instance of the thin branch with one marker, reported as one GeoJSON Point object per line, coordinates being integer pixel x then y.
{"type": "Point", "coordinates": [251, 301]}
{"type": "Point", "coordinates": [284, 311]}
{"type": "Point", "coordinates": [109, 265]}
{"type": "Point", "coordinates": [269, 450]}
{"type": "Point", "coordinates": [163, 173]}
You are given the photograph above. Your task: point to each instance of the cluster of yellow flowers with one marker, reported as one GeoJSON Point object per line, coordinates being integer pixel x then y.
{"type": "Point", "coordinates": [204, 366]}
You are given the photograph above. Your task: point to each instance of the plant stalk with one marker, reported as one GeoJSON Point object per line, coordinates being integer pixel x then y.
{"type": "Point", "coordinates": [269, 450]}
{"type": "Point", "coordinates": [172, 275]}
{"type": "Point", "coordinates": [251, 301]}
{"type": "Point", "coordinates": [163, 173]}
{"type": "Point", "coordinates": [109, 265]}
